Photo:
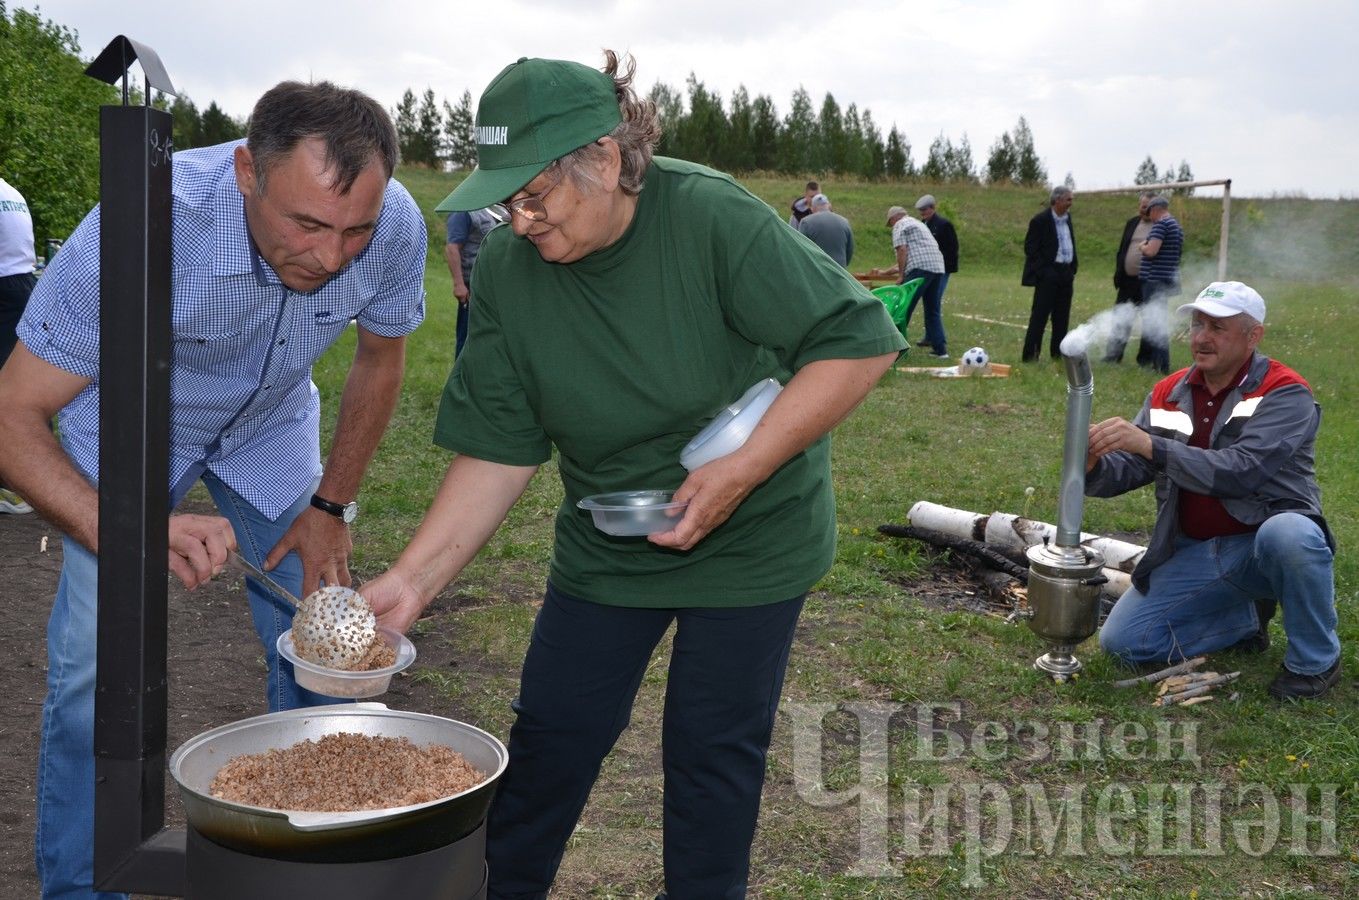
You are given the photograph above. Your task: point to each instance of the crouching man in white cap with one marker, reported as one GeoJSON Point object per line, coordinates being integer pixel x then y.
{"type": "Point", "coordinates": [1229, 443]}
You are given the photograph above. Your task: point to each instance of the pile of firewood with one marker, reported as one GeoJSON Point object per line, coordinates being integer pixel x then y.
{"type": "Point", "coordinates": [1181, 685]}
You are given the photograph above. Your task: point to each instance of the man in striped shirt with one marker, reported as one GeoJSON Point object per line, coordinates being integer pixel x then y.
{"type": "Point", "coordinates": [278, 243]}
{"type": "Point", "coordinates": [1159, 277]}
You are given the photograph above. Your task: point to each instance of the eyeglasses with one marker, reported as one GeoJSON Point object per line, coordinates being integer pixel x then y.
{"type": "Point", "coordinates": [532, 206]}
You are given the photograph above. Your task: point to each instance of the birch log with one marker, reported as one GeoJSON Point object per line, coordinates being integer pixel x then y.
{"type": "Point", "coordinates": [1017, 532]}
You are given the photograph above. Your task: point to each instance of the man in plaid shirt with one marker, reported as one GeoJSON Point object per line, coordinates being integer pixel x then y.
{"type": "Point", "coordinates": [918, 256]}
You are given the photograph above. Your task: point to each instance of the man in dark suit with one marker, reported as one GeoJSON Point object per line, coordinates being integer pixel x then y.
{"type": "Point", "coordinates": [1050, 269]}
{"type": "Point", "coordinates": [1127, 262]}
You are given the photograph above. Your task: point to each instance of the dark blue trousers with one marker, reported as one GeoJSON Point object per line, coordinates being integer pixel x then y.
{"type": "Point", "coordinates": [584, 664]}
{"type": "Point", "coordinates": [460, 332]}
{"type": "Point", "coordinates": [14, 291]}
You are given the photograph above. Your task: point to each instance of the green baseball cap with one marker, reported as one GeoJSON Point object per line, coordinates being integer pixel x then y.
{"type": "Point", "coordinates": [532, 114]}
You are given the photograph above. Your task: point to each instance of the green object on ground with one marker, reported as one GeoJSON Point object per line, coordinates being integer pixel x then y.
{"type": "Point", "coordinates": [899, 300]}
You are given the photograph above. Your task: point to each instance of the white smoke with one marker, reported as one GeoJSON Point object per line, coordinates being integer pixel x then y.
{"type": "Point", "coordinates": [1278, 238]}
{"type": "Point", "coordinates": [1094, 334]}
{"type": "Point", "coordinates": [1160, 323]}
{"type": "Point", "coordinates": [1292, 239]}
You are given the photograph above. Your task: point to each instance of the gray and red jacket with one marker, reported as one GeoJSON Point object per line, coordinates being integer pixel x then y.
{"type": "Point", "coordinates": [1259, 462]}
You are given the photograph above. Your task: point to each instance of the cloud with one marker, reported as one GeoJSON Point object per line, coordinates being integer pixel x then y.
{"type": "Point", "coordinates": [1246, 89]}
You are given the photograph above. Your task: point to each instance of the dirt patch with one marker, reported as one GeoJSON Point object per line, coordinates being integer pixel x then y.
{"type": "Point", "coordinates": [27, 574]}
{"type": "Point", "coordinates": [960, 583]}
{"type": "Point", "coordinates": [217, 676]}
{"type": "Point", "coordinates": [216, 670]}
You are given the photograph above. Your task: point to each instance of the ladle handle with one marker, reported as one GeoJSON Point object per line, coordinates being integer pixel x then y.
{"type": "Point", "coordinates": [244, 565]}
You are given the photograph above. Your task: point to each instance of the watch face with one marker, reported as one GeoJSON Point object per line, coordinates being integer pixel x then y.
{"type": "Point", "coordinates": [351, 512]}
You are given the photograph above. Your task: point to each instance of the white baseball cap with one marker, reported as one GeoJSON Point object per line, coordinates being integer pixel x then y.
{"type": "Point", "coordinates": [1223, 299]}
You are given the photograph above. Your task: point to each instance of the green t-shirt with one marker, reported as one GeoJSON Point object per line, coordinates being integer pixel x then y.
{"type": "Point", "coordinates": [621, 357]}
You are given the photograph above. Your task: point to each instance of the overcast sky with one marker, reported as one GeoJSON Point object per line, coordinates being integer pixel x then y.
{"type": "Point", "coordinates": [1264, 93]}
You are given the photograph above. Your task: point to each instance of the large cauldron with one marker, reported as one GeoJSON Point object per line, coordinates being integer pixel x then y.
{"type": "Point", "coordinates": [334, 837]}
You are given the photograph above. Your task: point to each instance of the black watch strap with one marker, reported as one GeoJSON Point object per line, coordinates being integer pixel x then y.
{"type": "Point", "coordinates": [345, 512]}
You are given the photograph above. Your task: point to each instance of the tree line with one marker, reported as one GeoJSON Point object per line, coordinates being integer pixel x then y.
{"type": "Point", "coordinates": [747, 134]}
{"type": "Point", "coordinates": [195, 129]}
{"type": "Point", "coordinates": [49, 132]}
{"type": "Point", "coordinates": [749, 137]}
{"type": "Point", "coordinates": [1147, 174]}
{"type": "Point", "coordinates": [49, 121]}
{"type": "Point", "coordinates": [434, 139]}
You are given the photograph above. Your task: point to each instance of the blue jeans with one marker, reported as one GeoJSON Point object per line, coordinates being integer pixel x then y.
{"type": "Point", "coordinates": [584, 664]}
{"type": "Point", "coordinates": [931, 294]}
{"type": "Point", "coordinates": [65, 833]}
{"type": "Point", "coordinates": [1202, 598]}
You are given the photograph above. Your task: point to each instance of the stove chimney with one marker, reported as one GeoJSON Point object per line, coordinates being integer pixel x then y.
{"type": "Point", "coordinates": [1064, 577]}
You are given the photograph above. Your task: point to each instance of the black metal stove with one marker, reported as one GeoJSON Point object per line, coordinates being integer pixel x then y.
{"type": "Point", "coordinates": [133, 850]}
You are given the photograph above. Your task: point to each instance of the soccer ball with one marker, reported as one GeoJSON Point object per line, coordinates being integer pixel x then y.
{"type": "Point", "coordinates": [974, 361]}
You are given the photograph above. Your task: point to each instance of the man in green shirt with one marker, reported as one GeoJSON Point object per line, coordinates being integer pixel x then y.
{"type": "Point", "coordinates": [631, 300]}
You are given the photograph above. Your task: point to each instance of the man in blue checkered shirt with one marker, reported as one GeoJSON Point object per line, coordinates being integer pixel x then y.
{"type": "Point", "coordinates": [278, 243]}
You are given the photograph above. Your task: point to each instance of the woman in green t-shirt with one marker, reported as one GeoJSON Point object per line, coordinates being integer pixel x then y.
{"type": "Point", "coordinates": [630, 300]}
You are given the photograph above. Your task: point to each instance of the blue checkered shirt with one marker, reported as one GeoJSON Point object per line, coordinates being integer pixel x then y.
{"type": "Point", "coordinates": [242, 403]}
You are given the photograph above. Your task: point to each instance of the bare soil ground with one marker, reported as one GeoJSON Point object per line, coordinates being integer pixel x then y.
{"type": "Point", "coordinates": [216, 667]}
{"type": "Point", "coordinates": [217, 675]}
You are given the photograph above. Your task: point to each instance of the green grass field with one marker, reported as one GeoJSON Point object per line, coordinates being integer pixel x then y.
{"type": "Point", "coordinates": [1208, 801]}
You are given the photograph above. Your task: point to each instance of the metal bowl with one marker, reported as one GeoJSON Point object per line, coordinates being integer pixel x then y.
{"type": "Point", "coordinates": [324, 836]}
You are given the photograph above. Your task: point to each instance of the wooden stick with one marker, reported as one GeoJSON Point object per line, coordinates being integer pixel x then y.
{"type": "Point", "coordinates": [1193, 690]}
{"type": "Point", "coordinates": [1194, 700]}
{"type": "Point", "coordinates": [1176, 682]}
{"type": "Point", "coordinates": [1205, 682]}
{"type": "Point", "coordinates": [1187, 666]}
{"type": "Point", "coordinates": [1172, 699]}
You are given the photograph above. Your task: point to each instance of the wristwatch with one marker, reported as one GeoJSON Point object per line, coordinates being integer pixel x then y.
{"type": "Point", "coordinates": [345, 512]}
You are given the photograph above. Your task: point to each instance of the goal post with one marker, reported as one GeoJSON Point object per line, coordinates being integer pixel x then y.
{"type": "Point", "coordinates": [1226, 184]}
